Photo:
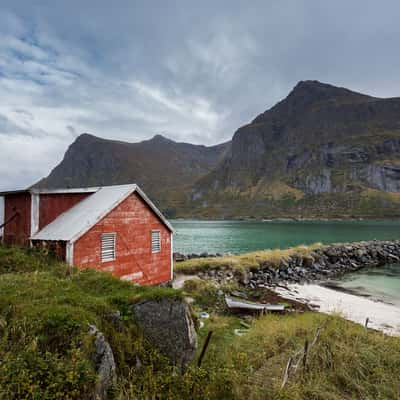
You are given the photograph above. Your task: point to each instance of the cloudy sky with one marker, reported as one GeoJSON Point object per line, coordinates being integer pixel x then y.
{"type": "Point", "coordinates": [191, 70]}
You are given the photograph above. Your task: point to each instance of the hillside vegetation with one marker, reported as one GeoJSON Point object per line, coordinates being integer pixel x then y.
{"type": "Point", "coordinates": [45, 311]}
{"type": "Point", "coordinates": [46, 351]}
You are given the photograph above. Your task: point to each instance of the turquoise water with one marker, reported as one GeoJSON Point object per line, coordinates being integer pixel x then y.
{"type": "Point", "coordinates": [377, 283]}
{"type": "Point", "coordinates": [242, 236]}
{"type": "Point", "coordinates": [237, 237]}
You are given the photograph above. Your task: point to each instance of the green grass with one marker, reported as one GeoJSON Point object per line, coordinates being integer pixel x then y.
{"type": "Point", "coordinates": [347, 362]}
{"type": "Point", "coordinates": [45, 311]}
{"type": "Point", "coordinates": [46, 351]}
{"type": "Point", "coordinates": [243, 262]}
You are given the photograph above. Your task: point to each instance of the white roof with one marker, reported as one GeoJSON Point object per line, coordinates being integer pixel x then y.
{"type": "Point", "coordinates": [67, 190]}
{"type": "Point", "coordinates": [76, 221]}
{"type": "Point", "coordinates": [51, 191]}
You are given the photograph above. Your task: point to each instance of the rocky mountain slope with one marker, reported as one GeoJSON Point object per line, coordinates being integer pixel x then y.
{"type": "Point", "coordinates": [163, 168]}
{"type": "Point", "coordinates": [323, 151]}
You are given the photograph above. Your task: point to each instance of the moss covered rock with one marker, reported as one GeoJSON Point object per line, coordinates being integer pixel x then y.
{"type": "Point", "coordinates": [168, 325]}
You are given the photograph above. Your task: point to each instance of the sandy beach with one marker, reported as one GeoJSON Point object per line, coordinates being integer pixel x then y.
{"type": "Point", "coordinates": [383, 317]}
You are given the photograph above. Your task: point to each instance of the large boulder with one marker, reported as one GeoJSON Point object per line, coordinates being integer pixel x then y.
{"type": "Point", "coordinates": [168, 325]}
{"type": "Point", "coordinates": [103, 359]}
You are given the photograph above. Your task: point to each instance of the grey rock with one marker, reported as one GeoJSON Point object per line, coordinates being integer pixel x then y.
{"type": "Point", "coordinates": [319, 183]}
{"type": "Point", "coordinates": [116, 320]}
{"type": "Point", "coordinates": [307, 261]}
{"type": "Point", "coordinates": [168, 325]}
{"type": "Point", "coordinates": [383, 177]}
{"type": "Point", "coordinates": [103, 359]}
{"type": "Point", "coordinates": [284, 265]}
{"type": "Point", "coordinates": [327, 262]}
{"type": "Point", "coordinates": [178, 257]}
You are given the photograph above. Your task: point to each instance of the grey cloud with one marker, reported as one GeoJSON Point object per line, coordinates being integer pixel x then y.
{"type": "Point", "coordinates": [72, 131]}
{"type": "Point", "coordinates": [8, 127]}
{"type": "Point", "coordinates": [193, 70]}
{"type": "Point", "coordinates": [25, 113]}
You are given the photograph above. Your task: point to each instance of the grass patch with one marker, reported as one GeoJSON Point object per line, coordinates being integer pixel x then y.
{"type": "Point", "coordinates": [244, 262]}
{"type": "Point", "coordinates": [46, 352]}
{"type": "Point", "coordinates": [348, 362]}
{"type": "Point", "coordinates": [45, 311]}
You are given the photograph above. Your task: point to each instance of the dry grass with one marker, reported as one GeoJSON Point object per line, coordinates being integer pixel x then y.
{"type": "Point", "coordinates": [276, 190]}
{"type": "Point", "coordinates": [348, 361]}
{"type": "Point", "coordinates": [376, 194]}
{"type": "Point", "coordinates": [246, 261]}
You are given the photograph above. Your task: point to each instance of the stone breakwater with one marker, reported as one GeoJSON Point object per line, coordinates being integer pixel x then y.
{"type": "Point", "coordinates": [178, 257]}
{"type": "Point", "coordinates": [329, 261]}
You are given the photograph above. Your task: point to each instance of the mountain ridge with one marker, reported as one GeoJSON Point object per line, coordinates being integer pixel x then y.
{"type": "Point", "coordinates": [321, 151]}
{"type": "Point", "coordinates": [161, 166]}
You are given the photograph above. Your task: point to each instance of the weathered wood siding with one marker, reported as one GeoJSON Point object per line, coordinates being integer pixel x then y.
{"type": "Point", "coordinates": [19, 229]}
{"type": "Point", "coordinates": [132, 221]}
{"type": "Point", "coordinates": [54, 204]}
{"type": "Point", "coordinates": [1, 214]}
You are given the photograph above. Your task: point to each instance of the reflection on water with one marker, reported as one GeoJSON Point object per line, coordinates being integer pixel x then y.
{"type": "Point", "coordinates": [243, 236]}
{"type": "Point", "coordinates": [381, 283]}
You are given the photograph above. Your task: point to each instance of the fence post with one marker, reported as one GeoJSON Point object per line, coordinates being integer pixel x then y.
{"type": "Point", "coordinates": [203, 351]}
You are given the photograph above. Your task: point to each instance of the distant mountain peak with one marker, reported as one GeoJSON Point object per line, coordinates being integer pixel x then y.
{"type": "Point", "coordinates": [86, 135]}
{"type": "Point", "coordinates": [306, 94]}
{"type": "Point", "coordinates": [86, 138]}
{"type": "Point", "coordinates": [311, 84]}
{"type": "Point", "coordinates": [317, 83]}
{"type": "Point", "coordinates": [160, 138]}
{"type": "Point", "coordinates": [309, 87]}
{"type": "Point", "coordinates": [321, 91]}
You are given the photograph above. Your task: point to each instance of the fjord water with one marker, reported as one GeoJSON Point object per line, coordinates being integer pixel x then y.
{"type": "Point", "coordinates": [193, 236]}
{"type": "Point", "coordinates": [243, 236]}
{"type": "Point", "coordinates": [381, 283]}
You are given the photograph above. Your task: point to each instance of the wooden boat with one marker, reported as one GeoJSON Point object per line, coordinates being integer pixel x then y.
{"type": "Point", "coordinates": [240, 304]}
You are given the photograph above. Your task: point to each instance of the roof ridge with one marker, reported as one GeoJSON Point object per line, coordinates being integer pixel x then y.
{"type": "Point", "coordinates": [76, 221]}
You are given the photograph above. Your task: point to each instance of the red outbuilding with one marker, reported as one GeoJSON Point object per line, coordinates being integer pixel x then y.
{"type": "Point", "coordinates": [110, 228]}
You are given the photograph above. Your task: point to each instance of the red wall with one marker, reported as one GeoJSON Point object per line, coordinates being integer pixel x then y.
{"type": "Point", "coordinates": [18, 230]}
{"type": "Point", "coordinates": [132, 221]}
{"type": "Point", "coordinates": [52, 205]}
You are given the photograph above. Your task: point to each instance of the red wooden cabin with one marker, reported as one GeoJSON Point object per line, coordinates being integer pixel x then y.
{"type": "Point", "coordinates": [110, 228]}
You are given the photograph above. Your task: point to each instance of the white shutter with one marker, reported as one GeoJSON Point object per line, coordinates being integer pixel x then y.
{"type": "Point", "coordinates": [108, 247]}
{"type": "Point", "coordinates": [155, 241]}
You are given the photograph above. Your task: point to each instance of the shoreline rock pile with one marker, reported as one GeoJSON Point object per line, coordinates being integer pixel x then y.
{"type": "Point", "coordinates": [321, 264]}
{"type": "Point", "coordinates": [178, 257]}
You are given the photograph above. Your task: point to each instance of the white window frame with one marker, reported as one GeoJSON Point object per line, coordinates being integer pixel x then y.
{"type": "Point", "coordinates": [155, 231]}
{"type": "Point", "coordinates": [113, 256]}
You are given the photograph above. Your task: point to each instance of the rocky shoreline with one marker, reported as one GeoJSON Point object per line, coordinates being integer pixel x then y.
{"type": "Point", "coordinates": [321, 264]}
